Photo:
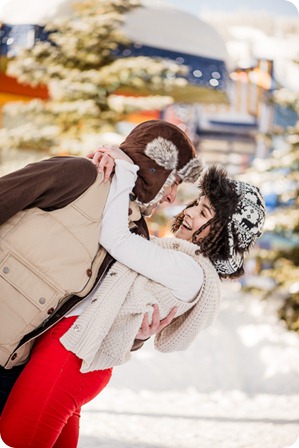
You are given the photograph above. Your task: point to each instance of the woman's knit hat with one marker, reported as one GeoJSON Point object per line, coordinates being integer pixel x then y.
{"type": "Point", "coordinates": [242, 207]}
{"type": "Point", "coordinates": [162, 151]}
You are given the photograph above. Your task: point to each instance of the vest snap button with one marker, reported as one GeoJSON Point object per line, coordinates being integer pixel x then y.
{"type": "Point", "coordinates": [42, 300]}
{"type": "Point", "coordinates": [50, 310]}
{"type": "Point", "coordinates": [89, 272]}
{"type": "Point", "coordinates": [77, 328]}
{"type": "Point", "coordinates": [6, 270]}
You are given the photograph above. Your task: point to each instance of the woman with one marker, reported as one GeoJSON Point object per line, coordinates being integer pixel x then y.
{"type": "Point", "coordinates": [72, 363]}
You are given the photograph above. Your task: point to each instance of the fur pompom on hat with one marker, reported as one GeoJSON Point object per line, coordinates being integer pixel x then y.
{"type": "Point", "coordinates": [162, 151]}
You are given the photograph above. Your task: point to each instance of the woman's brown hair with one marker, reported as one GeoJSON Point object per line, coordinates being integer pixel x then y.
{"type": "Point", "coordinates": [221, 192]}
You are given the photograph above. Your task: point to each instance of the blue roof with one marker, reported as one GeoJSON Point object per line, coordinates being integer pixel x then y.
{"type": "Point", "coordinates": [203, 71]}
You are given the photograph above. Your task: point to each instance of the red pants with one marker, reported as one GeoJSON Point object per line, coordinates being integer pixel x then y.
{"type": "Point", "coordinates": [43, 408]}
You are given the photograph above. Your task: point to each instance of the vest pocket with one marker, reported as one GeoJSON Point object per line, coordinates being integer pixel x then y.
{"type": "Point", "coordinates": [25, 299]}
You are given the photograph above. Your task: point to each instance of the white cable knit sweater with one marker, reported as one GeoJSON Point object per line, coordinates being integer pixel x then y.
{"type": "Point", "coordinates": [103, 334]}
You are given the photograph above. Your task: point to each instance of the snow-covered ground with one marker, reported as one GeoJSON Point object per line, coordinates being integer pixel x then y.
{"type": "Point", "coordinates": [236, 387]}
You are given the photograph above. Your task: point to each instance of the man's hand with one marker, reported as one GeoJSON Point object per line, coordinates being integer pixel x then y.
{"type": "Point", "coordinates": [104, 163]}
{"type": "Point", "coordinates": [147, 330]}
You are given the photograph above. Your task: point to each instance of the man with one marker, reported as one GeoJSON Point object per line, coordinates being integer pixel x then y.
{"type": "Point", "coordinates": [50, 220]}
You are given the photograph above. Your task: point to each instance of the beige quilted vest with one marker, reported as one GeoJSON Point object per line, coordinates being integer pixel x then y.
{"type": "Point", "coordinates": [44, 258]}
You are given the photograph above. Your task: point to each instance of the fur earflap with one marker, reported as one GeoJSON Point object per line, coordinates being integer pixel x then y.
{"type": "Point", "coordinates": [163, 152]}
{"type": "Point", "coordinates": [191, 171]}
{"type": "Point", "coordinates": [170, 180]}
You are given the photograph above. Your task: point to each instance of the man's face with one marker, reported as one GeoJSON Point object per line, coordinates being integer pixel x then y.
{"type": "Point", "coordinates": [170, 192]}
{"type": "Point", "coordinates": [169, 196]}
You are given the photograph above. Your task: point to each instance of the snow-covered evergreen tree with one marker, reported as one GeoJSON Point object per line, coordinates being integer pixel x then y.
{"type": "Point", "coordinates": [281, 172]}
{"type": "Point", "coordinates": [83, 77]}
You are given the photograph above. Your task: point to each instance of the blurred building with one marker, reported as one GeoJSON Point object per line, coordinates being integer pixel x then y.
{"type": "Point", "coordinates": [201, 48]}
{"type": "Point", "coordinates": [230, 134]}
{"type": "Point", "coordinates": [222, 108]}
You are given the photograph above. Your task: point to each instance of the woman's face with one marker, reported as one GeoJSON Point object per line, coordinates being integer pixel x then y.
{"type": "Point", "coordinates": [195, 217]}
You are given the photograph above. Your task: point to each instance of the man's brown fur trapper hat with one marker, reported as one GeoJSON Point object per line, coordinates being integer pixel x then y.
{"type": "Point", "coordinates": [162, 151]}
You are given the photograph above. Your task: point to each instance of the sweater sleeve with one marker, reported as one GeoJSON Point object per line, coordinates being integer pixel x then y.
{"type": "Point", "coordinates": [49, 184]}
{"type": "Point", "coordinates": [173, 269]}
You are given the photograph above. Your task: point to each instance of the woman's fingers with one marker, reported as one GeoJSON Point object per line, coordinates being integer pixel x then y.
{"type": "Point", "coordinates": [106, 164]}
{"type": "Point", "coordinates": [113, 151]}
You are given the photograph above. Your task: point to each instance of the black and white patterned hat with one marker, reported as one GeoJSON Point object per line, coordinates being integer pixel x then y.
{"type": "Point", "coordinates": [247, 222]}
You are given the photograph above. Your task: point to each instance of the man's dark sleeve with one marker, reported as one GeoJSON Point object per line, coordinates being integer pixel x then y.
{"type": "Point", "coordinates": [49, 184]}
{"type": "Point", "coordinates": [138, 344]}
{"type": "Point", "coordinates": [142, 230]}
